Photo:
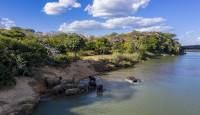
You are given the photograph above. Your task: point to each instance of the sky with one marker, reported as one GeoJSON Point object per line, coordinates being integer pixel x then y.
{"type": "Point", "coordinates": [100, 17]}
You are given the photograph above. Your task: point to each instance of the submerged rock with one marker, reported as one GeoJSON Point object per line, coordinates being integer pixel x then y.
{"type": "Point", "coordinates": [132, 80]}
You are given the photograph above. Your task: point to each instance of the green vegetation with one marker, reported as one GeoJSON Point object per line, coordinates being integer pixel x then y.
{"type": "Point", "coordinates": [24, 49]}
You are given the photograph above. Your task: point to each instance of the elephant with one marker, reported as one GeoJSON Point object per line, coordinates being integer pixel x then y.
{"type": "Point", "coordinates": [92, 85]}
{"type": "Point", "coordinates": [99, 89]}
{"type": "Point", "coordinates": [91, 78]}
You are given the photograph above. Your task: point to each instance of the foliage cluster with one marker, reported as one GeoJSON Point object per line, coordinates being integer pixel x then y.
{"type": "Point", "coordinates": [23, 49]}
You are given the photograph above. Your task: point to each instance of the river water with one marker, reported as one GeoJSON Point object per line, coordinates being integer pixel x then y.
{"type": "Point", "coordinates": [170, 86]}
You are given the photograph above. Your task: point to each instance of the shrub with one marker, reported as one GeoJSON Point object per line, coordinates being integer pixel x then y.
{"type": "Point", "coordinates": [60, 60]}
{"type": "Point", "coordinates": [124, 60]}
{"type": "Point", "coordinates": [6, 68]}
{"type": "Point", "coordinates": [102, 46]}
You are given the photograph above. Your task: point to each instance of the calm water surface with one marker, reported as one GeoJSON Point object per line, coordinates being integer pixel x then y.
{"type": "Point", "coordinates": [171, 86]}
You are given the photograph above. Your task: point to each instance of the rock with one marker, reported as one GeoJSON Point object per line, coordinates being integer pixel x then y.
{"type": "Point", "coordinates": [70, 86]}
{"type": "Point", "coordinates": [68, 81]}
{"type": "Point", "coordinates": [132, 80]}
{"type": "Point", "coordinates": [83, 88]}
{"type": "Point", "coordinates": [19, 100]}
{"type": "Point", "coordinates": [70, 92]}
{"type": "Point", "coordinates": [26, 109]}
{"type": "Point", "coordinates": [51, 82]}
{"type": "Point", "coordinates": [59, 89]}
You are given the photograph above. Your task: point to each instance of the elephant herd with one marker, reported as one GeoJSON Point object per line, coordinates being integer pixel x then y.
{"type": "Point", "coordinates": [59, 86]}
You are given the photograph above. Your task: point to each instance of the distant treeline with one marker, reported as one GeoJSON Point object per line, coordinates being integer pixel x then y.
{"type": "Point", "coordinates": [191, 47]}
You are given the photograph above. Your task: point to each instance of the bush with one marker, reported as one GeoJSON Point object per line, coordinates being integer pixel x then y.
{"type": "Point", "coordinates": [89, 45]}
{"type": "Point", "coordinates": [60, 60]}
{"type": "Point", "coordinates": [6, 68]}
{"type": "Point", "coordinates": [102, 46]}
{"type": "Point", "coordinates": [24, 53]}
{"type": "Point", "coordinates": [118, 47]}
{"type": "Point", "coordinates": [124, 60]}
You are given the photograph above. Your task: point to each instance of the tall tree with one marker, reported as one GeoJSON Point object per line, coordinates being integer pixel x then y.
{"type": "Point", "coordinates": [75, 43]}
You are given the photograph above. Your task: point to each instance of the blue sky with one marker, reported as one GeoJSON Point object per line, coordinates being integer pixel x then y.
{"type": "Point", "coordinates": [181, 17]}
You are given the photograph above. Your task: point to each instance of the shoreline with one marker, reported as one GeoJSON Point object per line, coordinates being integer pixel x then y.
{"type": "Point", "coordinates": [87, 67]}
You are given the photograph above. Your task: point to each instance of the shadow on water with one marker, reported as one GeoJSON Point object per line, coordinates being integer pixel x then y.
{"type": "Point", "coordinates": [115, 91]}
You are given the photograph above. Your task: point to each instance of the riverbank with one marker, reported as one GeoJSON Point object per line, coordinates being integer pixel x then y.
{"type": "Point", "coordinates": [23, 97]}
{"type": "Point", "coordinates": [33, 89]}
{"type": "Point", "coordinates": [19, 100]}
{"type": "Point", "coordinates": [167, 88]}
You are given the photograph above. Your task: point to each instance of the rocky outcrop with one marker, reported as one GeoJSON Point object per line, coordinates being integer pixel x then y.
{"type": "Point", "coordinates": [19, 100]}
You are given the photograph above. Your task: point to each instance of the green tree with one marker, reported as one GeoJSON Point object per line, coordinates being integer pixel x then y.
{"type": "Point", "coordinates": [129, 47]}
{"type": "Point", "coordinates": [152, 44]}
{"type": "Point", "coordinates": [102, 46]}
{"type": "Point", "coordinates": [118, 47]}
{"type": "Point", "coordinates": [89, 45]}
{"type": "Point", "coordinates": [75, 43]}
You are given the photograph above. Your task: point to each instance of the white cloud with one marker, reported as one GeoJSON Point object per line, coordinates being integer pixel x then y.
{"type": "Point", "coordinates": [190, 37]}
{"type": "Point", "coordinates": [159, 28]}
{"type": "Point", "coordinates": [112, 24]}
{"type": "Point", "coordinates": [6, 23]}
{"type": "Point", "coordinates": [115, 8]}
{"type": "Point", "coordinates": [132, 22]}
{"type": "Point", "coordinates": [81, 26]}
{"type": "Point", "coordinates": [54, 8]}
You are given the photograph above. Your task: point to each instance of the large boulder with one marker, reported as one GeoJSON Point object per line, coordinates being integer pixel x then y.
{"type": "Point", "coordinates": [58, 90]}
{"type": "Point", "coordinates": [83, 88]}
{"type": "Point", "coordinates": [19, 100]}
{"type": "Point", "coordinates": [24, 108]}
{"type": "Point", "coordinates": [52, 82]}
{"type": "Point", "coordinates": [73, 91]}
{"type": "Point", "coordinates": [68, 81]}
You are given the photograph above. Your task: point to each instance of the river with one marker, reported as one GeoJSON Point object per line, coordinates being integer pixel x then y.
{"type": "Point", "coordinates": [170, 86]}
